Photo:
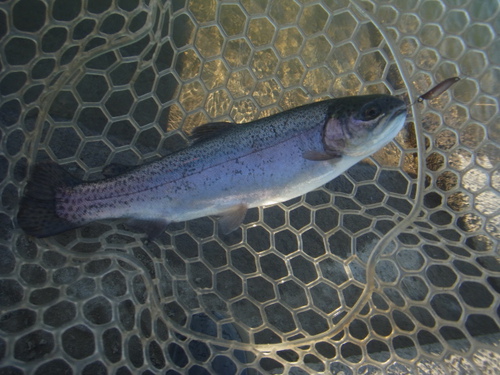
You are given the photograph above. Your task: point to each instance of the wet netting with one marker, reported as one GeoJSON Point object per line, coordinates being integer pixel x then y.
{"type": "Point", "coordinates": [393, 267]}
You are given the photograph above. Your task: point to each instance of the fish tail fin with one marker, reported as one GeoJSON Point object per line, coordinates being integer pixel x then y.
{"type": "Point", "coordinates": [37, 214]}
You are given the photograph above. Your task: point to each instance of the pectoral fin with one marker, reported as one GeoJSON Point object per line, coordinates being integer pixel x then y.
{"type": "Point", "coordinates": [232, 218]}
{"type": "Point", "coordinates": [153, 228]}
{"type": "Point", "coordinates": [319, 155]}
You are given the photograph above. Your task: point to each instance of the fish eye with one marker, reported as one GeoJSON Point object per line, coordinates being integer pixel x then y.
{"type": "Point", "coordinates": [371, 113]}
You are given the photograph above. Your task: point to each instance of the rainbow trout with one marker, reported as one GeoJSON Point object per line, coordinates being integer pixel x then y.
{"type": "Point", "coordinates": [228, 169]}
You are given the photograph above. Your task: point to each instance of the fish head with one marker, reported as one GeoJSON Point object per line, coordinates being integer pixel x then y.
{"type": "Point", "coordinates": [358, 126]}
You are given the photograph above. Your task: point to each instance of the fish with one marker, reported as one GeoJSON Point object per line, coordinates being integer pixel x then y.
{"type": "Point", "coordinates": [227, 169]}
{"type": "Point", "coordinates": [438, 89]}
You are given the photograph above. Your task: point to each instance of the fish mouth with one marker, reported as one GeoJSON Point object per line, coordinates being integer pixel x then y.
{"type": "Point", "coordinates": [396, 113]}
{"type": "Point", "coordinates": [393, 124]}
{"type": "Point", "coordinates": [390, 118]}
{"type": "Point", "coordinates": [402, 108]}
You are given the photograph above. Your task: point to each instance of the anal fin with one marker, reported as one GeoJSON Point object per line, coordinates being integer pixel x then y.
{"type": "Point", "coordinates": [232, 218]}
{"type": "Point", "coordinates": [153, 227]}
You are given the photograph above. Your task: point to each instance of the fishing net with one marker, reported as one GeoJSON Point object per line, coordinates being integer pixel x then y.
{"type": "Point", "coordinates": [393, 267]}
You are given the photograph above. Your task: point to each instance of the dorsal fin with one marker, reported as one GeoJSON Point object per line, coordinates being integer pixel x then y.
{"type": "Point", "coordinates": [210, 130]}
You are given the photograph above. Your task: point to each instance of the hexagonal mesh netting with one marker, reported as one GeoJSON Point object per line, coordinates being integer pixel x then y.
{"type": "Point", "coordinates": [393, 267]}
